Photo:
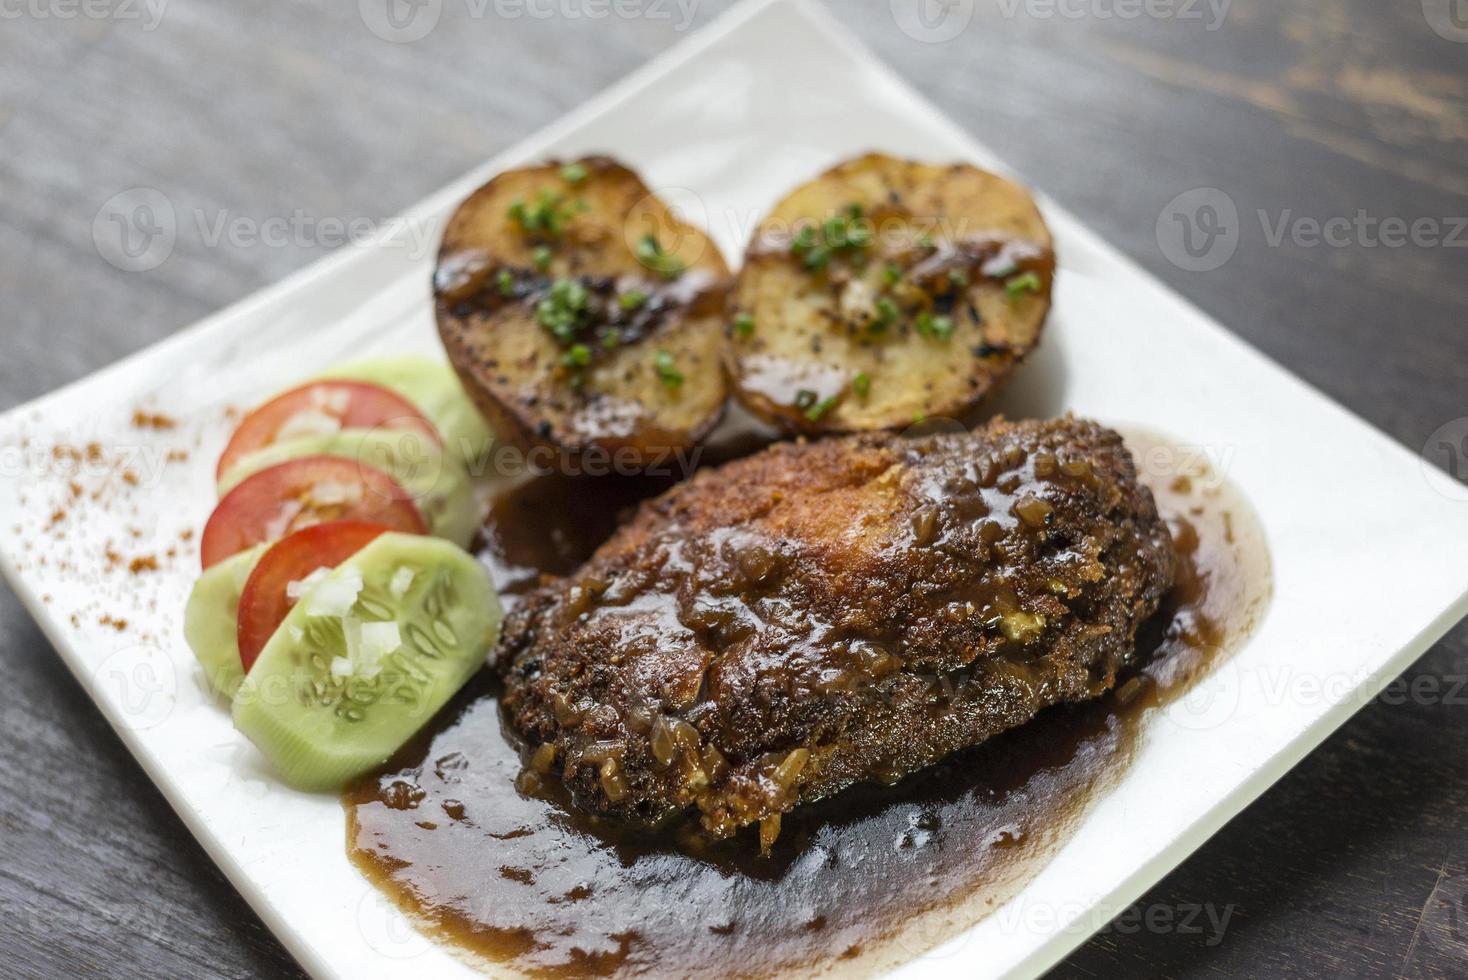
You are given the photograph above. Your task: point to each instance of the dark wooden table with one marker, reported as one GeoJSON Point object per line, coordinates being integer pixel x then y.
{"type": "Point", "coordinates": [1356, 864]}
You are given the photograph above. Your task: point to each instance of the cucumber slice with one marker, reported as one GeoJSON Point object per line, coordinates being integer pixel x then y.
{"type": "Point", "coordinates": [330, 697]}
{"type": "Point", "coordinates": [434, 387]}
{"type": "Point", "coordinates": [436, 480]}
{"type": "Point", "coordinates": [211, 620]}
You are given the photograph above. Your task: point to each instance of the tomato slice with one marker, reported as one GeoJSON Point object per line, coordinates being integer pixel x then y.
{"type": "Point", "coordinates": [324, 407]}
{"type": "Point", "coordinates": [302, 492]}
{"type": "Point", "coordinates": [266, 601]}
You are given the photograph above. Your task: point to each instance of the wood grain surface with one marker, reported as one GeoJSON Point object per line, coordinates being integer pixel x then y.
{"type": "Point", "coordinates": [1356, 864]}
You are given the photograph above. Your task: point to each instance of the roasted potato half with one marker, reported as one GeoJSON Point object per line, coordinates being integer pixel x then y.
{"type": "Point", "coordinates": [886, 291]}
{"type": "Point", "coordinates": [582, 313]}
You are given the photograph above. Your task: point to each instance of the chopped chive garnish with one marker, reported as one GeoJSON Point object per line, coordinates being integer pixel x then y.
{"type": "Point", "coordinates": [842, 234]}
{"type": "Point", "coordinates": [812, 255]}
{"type": "Point", "coordinates": [862, 384]}
{"type": "Point", "coordinates": [958, 277]}
{"type": "Point", "coordinates": [667, 369]}
{"type": "Point", "coordinates": [1027, 283]}
{"type": "Point", "coordinates": [506, 283]}
{"type": "Point", "coordinates": [573, 173]}
{"type": "Point", "coordinates": [805, 399]}
{"type": "Point", "coordinates": [611, 338]}
{"type": "Point", "coordinates": [1001, 267]}
{"type": "Point", "coordinates": [820, 408]}
{"type": "Point", "coordinates": [744, 325]}
{"type": "Point", "coordinates": [577, 357]}
{"type": "Point", "coordinates": [891, 274]}
{"type": "Point", "coordinates": [564, 309]}
{"type": "Point", "coordinates": [847, 232]}
{"type": "Point", "coordinates": [918, 418]}
{"type": "Point", "coordinates": [926, 241]}
{"type": "Point", "coordinates": [887, 314]}
{"type": "Point", "coordinates": [541, 258]}
{"type": "Point", "coordinates": [650, 253]}
{"type": "Point", "coordinates": [632, 299]}
{"type": "Point", "coordinates": [937, 327]}
{"type": "Point", "coordinates": [546, 215]}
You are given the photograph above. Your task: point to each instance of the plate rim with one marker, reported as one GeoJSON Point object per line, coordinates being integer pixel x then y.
{"type": "Point", "coordinates": [1045, 953]}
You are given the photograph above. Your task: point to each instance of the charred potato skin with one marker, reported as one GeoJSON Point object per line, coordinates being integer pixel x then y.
{"type": "Point", "coordinates": [623, 405]}
{"type": "Point", "coordinates": [801, 334]}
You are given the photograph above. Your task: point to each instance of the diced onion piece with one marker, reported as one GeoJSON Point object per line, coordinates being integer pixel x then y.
{"type": "Point", "coordinates": [295, 590]}
{"type": "Point", "coordinates": [329, 492]}
{"type": "Point", "coordinates": [289, 511]}
{"type": "Point", "coordinates": [333, 400]}
{"type": "Point", "coordinates": [379, 640]}
{"type": "Point", "coordinates": [352, 632]}
{"type": "Point", "coordinates": [857, 301]}
{"type": "Point", "coordinates": [309, 422]}
{"type": "Point", "coordinates": [402, 581]}
{"type": "Point", "coordinates": [335, 596]}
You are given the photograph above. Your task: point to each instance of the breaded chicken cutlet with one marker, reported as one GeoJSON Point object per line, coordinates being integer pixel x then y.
{"type": "Point", "coordinates": [824, 614]}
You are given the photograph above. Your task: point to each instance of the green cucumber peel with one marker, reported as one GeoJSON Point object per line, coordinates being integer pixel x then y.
{"type": "Point", "coordinates": [433, 386]}
{"type": "Point", "coordinates": [211, 620]}
{"type": "Point", "coordinates": [326, 709]}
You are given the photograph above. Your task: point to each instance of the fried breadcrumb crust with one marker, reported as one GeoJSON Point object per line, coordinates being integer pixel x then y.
{"type": "Point", "coordinates": [824, 614]}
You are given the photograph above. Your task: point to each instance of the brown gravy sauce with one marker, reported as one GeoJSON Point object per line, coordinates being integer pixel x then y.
{"type": "Point", "coordinates": [857, 883]}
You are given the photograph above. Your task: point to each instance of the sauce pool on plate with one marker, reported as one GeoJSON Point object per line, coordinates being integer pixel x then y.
{"type": "Point", "coordinates": [512, 877]}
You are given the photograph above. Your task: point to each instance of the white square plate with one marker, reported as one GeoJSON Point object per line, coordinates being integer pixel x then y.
{"type": "Point", "coordinates": [1365, 577]}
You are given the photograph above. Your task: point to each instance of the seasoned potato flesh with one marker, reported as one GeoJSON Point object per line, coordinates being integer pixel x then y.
{"type": "Point", "coordinates": [885, 292]}
{"type": "Point", "coordinates": [583, 314]}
